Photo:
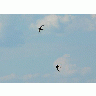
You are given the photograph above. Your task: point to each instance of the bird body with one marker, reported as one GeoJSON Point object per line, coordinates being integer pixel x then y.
{"type": "Point", "coordinates": [57, 67]}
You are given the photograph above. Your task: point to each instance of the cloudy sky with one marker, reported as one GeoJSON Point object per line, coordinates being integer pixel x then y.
{"type": "Point", "coordinates": [29, 56]}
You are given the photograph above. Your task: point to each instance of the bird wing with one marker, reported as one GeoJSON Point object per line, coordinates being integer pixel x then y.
{"type": "Point", "coordinates": [41, 26]}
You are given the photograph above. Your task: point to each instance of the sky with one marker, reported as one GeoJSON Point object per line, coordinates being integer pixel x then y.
{"type": "Point", "coordinates": [29, 56]}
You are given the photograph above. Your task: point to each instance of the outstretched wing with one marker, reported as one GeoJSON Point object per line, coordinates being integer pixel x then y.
{"type": "Point", "coordinates": [41, 26]}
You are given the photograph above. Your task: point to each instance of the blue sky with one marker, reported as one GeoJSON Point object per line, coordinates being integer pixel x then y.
{"type": "Point", "coordinates": [29, 56]}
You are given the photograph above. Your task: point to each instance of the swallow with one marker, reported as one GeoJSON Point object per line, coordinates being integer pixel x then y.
{"type": "Point", "coordinates": [57, 67]}
{"type": "Point", "coordinates": [40, 28]}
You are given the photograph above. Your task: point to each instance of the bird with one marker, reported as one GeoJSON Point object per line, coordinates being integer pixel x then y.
{"type": "Point", "coordinates": [57, 67]}
{"type": "Point", "coordinates": [40, 28]}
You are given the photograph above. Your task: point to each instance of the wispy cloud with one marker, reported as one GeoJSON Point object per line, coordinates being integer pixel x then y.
{"type": "Point", "coordinates": [30, 76]}
{"type": "Point", "coordinates": [7, 77]}
{"type": "Point", "coordinates": [13, 77]}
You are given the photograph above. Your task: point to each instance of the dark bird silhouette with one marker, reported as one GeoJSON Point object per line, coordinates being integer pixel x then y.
{"type": "Point", "coordinates": [57, 67]}
{"type": "Point", "coordinates": [40, 28]}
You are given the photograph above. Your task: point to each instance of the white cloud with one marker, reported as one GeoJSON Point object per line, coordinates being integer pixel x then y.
{"type": "Point", "coordinates": [61, 25]}
{"type": "Point", "coordinates": [66, 68]}
{"type": "Point", "coordinates": [8, 77]}
{"type": "Point", "coordinates": [71, 23]}
{"type": "Point", "coordinates": [51, 21]}
{"type": "Point", "coordinates": [48, 22]}
{"type": "Point", "coordinates": [69, 69]}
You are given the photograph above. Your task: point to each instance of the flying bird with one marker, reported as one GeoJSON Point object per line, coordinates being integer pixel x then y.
{"type": "Point", "coordinates": [58, 67]}
{"type": "Point", "coordinates": [40, 28]}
